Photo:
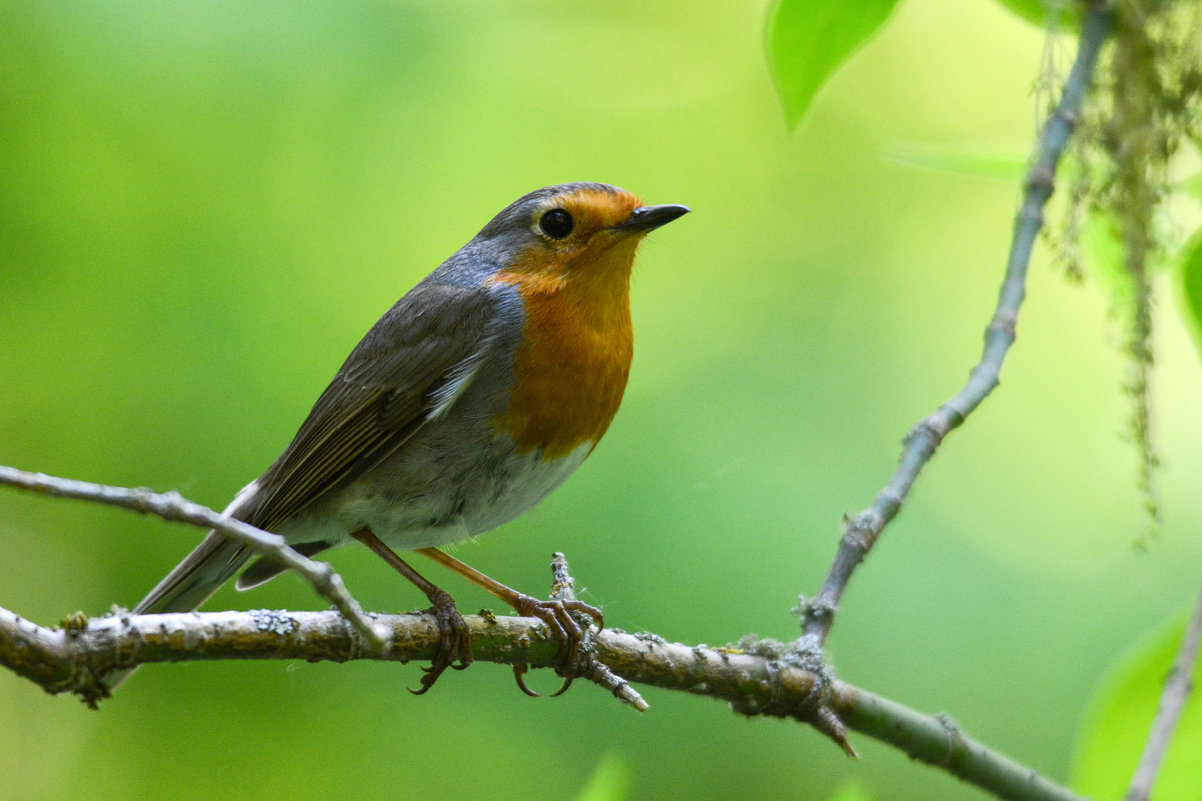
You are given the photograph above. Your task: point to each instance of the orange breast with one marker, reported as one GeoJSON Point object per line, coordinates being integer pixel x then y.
{"type": "Point", "coordinates": [572, 367]}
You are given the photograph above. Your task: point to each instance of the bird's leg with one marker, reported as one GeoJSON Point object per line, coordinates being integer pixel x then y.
{"type": "Point", "coordinates": [455, 640]}
{"type": "Point", "coordinates": [553, 613]}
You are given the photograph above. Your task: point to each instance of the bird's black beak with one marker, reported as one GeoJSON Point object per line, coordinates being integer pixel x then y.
{"type": "Point", "coordinates": [648, 218]}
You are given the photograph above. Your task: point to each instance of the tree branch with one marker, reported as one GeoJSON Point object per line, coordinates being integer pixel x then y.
{"type": "Point", "coordinates": [939, 742]}
{"type": "Point", "coordinates": [862, 531]}
{"type": "Point", "coordinates": [1177, 688]}
{"type": "Point", "coordinates": [173, 506]}
{"type": "Point", "coordinates": [757, 680]}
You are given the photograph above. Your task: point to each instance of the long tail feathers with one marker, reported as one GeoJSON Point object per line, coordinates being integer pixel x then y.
{"type": "Point", "coordinates": [194, 580]}
{"type": "Point", "coordinates": [190, 584]}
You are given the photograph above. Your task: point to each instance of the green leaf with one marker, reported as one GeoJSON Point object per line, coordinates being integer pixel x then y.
{"type": "Point", "coordinates": [1191, 283]}
{"type": "Point", "coordinates": [1036, 12]}
{"type": "Point", "coordinates": [1119, 715]}
{"type": "Point", "coordinates": [1003, 166]}
{"type": "Point", "coordinates": [809, 39]}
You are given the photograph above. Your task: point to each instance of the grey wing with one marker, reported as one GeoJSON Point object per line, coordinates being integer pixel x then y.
{"type": "Point", "coordinates": [408, 367]}
{"type": "Point", "coordinates": [421, 353]}
{"type": "Point", "coordinates": [389, 386]}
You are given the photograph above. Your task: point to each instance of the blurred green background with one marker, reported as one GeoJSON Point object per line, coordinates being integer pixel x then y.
{"type": "Point", "coordinates": [203, 206]}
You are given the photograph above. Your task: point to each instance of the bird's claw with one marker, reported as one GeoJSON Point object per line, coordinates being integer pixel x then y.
{"type": "Point", "coordinates": [519, 670]}
{"type": "Point", "coordinates": [454, 641]}
{"type": "Point", "coordinates": [557, 615]}
{"type": "Point", "coordinates": [564, 687]}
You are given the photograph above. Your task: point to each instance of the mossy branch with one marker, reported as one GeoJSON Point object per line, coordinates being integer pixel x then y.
{"type": "Point", "coordinates": [756, 680]}
{"type": "Point", "coordinates": [860, 533]}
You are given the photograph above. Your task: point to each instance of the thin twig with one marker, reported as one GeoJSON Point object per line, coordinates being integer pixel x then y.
{"type": "Point", "coordinates": [940, 743]}
{"type": "Point", "coordinates": [172, 506]}
{"type": "Point", "coordinates": [563, 588]}
{"type": "Point", "coordinates": [1177, 688]}
{"type": "Point", "coordinates": [74, 658]}
{"type": "Point", "coordinates": [861, 532]}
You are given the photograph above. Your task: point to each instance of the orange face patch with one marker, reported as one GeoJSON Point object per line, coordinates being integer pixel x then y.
{"type": "Point", "coordinates": [572, 367]}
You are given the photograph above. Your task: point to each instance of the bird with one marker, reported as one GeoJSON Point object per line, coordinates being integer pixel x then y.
{"type": "Point", "coordinates": [469, 401]}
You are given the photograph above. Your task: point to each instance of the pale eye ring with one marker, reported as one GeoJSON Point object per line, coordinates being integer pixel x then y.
{"type": "Point", "coordinates": [556, 223]}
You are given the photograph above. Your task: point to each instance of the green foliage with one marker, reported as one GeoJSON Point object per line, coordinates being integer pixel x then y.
{"type": "Point", "coordinates": [1139, 124]}
{"type": "Point", "coordinates": [809, 39]}
{"type": "Point", "coordinates": [1037, 12]}
{"type": "Point", "coordinates": [1116, 725]}
{"type": "Point", "coordinates": [203, 206]}
{"type": "Point", "coordinates": [1191, 282]}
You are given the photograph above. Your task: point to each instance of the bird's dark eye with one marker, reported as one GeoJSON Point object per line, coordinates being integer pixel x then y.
{"type": "Point", "coordinates": [556, 223]}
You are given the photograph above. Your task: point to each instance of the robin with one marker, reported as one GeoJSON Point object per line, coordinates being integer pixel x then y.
{"type": "Point", "coordinates": [465, 405]}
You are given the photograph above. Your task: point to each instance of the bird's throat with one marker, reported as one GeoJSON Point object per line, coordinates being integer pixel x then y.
{"type": "Point", "coordinates": [572, 367]}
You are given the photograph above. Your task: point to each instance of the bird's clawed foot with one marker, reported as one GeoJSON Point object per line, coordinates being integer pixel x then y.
{"type": "Point", "coordinates": [557, 616]}
{"type": "Point", "coordinates": [454, 640]}
{"type": "Point", "coordinates": [454, 643]}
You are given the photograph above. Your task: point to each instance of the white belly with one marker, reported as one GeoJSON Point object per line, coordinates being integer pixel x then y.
{"type": "Point", "coordinates": [416, 503]}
